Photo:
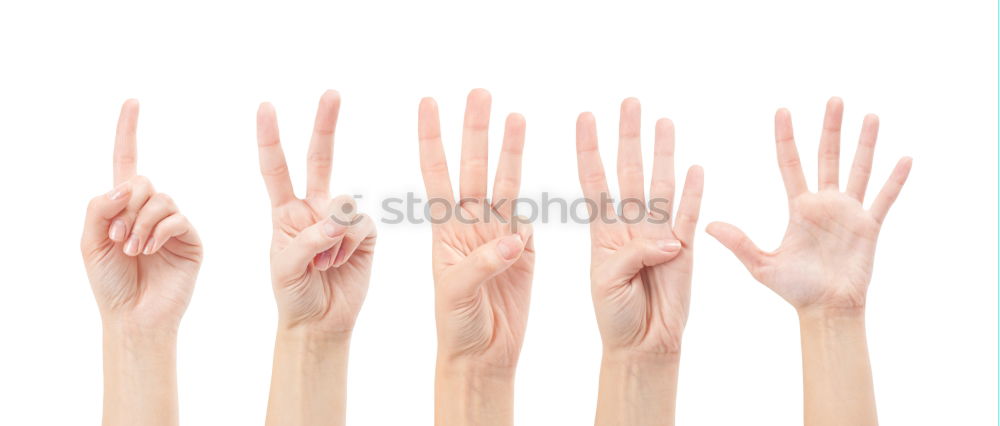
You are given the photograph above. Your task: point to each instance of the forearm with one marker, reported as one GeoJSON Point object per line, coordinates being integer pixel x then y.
{"type": "Point", "coordinates": [836, 371]}
{"type": "Point", "coordinates": [308, 379]}
{"type": "Point", "coordinates": [469, 395]}
{"type": "Point", "coordinates": [637, 390]}
{"type": "Point", "coordinates": [140, 377]}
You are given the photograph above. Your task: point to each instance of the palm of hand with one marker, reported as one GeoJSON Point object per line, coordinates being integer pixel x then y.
{"type": "Point", "coordinates": [148, 289]}
{"type": "Point", "coordinates": [650, 312]}
{"type": "Point", "coordinates": [825, 258]}
{"type": "Point", "coordinates": [489, 322]}
{"type": "Point", "coordinates": [641, 262]}
{"type": "Point", "coordinates": [331, 298]}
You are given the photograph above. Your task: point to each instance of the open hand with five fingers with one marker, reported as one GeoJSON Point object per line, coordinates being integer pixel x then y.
{"type": "Point", "coordinates": [483, 259]}
{"type": "Point", "coordinates": [825, 259]}
{"type": "Point", "coordinates": [824, 265]}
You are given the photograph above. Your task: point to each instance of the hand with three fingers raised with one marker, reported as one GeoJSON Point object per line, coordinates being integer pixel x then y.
{"type": "Point", "coordinates": [483, 259]}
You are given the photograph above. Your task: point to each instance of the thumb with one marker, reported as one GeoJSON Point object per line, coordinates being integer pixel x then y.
{"type": "Point", "coordinates": [738, 243]}
{"type": "Point", "coordinates": [630, 259]}
{"type": "Point", "coordinates": [297, 256]}
{"type": "Point", "coordinates": [485, 262]}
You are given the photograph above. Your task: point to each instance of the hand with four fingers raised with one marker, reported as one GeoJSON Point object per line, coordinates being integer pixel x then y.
{"type": "Point", "coordinates": [641, 264]}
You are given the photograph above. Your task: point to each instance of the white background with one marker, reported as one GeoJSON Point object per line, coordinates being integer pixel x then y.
{"type": "Point", "coordinates": [719, 69]}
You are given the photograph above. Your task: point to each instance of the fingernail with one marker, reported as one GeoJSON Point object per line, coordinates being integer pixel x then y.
{"type": "Point", "coordinates": [669, 245]}
{"type": "Point", "coordinates": [117, 231]}
{"type": "Point", "coordinates": [323, 260]}
{"type": "Point", "coordinates": [509, 247]}
{"type": "Point", "coordinates": [340, 259]}
{"type": "Point", "coordinates": [132, 246]}
{"type": "Point", "coordinates": [149, 246]}
{"type": "Point", "coordinates": [333, 229]}
{"type": "Point", "coordinates": [119, 191]}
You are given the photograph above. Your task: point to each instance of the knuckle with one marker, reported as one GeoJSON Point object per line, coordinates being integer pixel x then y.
{"type": "Point", "coordinates": [276, 170]}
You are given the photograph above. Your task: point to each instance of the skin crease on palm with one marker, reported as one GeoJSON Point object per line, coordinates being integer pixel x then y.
{"type": "Point", "coordinates": [482, 269]}
{"type": "Point", "coordinates": [825, 259]}
{"type": "Point", "coordinates": [142, 256]}
{"type": "Point", "coordinates": [322, 248]}
{"type": "Point", "coordinates": [640, 270]}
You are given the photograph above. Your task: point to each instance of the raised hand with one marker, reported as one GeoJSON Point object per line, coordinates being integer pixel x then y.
{"type": "Point", "coordinates": [824, 265]}
{"type": "Point", "coordinates": [483, 262]}
{"type": "Point", "coordinates": [825, 259]}
{"type": "Point", "coordinates": [321, 259]}
{"type": "Point", "coordinates": [321, 248]}
{"type": "Point", "coordinates": [641, 262]}
{"type": "Point", "coordinates": [641, 258]}
{"type": "Point", "coordinates": [142, 257]}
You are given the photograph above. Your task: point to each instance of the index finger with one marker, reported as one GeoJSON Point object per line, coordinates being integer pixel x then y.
{"type": "Point", "coordinates": [273, 167]}
{"type": "Point", "coordinates": [432, 160]}
{"type": "Point", "coordinates": [588, 158]}
{"type": "Point", "coordinates": [125, 150]}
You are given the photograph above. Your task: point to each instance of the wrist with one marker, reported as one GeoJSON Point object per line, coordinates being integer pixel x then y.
{"type": "Point", "coordinates": [830, 314]}
{"type": "Point", "coordinates": [132, 337]}
{"type": "Point", "coordinates": [299, 334]}
{"type": "Point", "coordinates": [637, 388]}
{"type": "Point", "coordinates": [473, 393]}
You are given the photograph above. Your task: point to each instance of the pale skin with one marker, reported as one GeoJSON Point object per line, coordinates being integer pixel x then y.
{"type": "Point", "coordinates": [482, 268]}
{"type": "Point", "coordinates": [641, 264]}
{"type": "Point", "coordinates": [823, 266]}
{"type": "Point", "coordinates": [321, 258]}
{"type": "Point", "coordinates": [142, 258]}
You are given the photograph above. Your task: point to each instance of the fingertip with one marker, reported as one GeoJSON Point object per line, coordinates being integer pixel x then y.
{"type": "Point", "coordinates": [322, 261]}
{"type": "Point", "coordinates": [630, 104]}
{"type": "Point", "coordinates": [668, 246]}
{"type": "Point", "coordinates": [585, 117]}
{"type": "Point", "coordinates": [265, 109]}
{"type": "Point", "coordinates": [130, 104]}
{"type": "Point", "coordinates": [510, 247]}
{"type": "Point", "coordinates": [479, 95]}
{"type": "Point", "coordinates": [664, 124]}
{"type": "Point", "coordinates": [695, 175]}
{"type": "Point", "coordinates": [330, 95]}
{"type": "Point", "coordinates": [905, 164]}
{"type": "Point", "coordinates": [515, 121]}
{"type": "Point", "coordinates": [835, 102]}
